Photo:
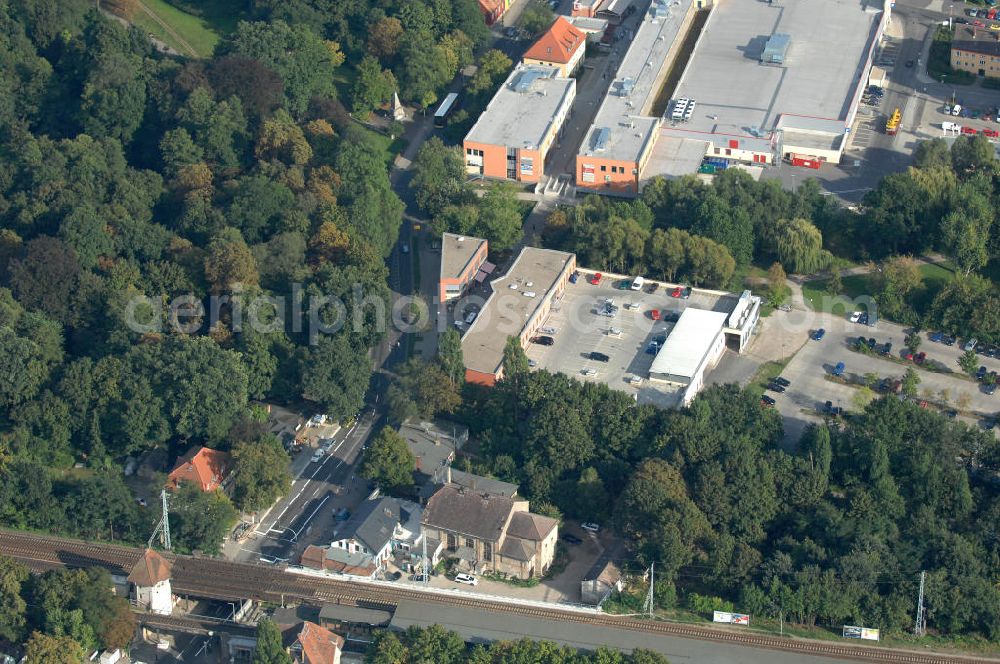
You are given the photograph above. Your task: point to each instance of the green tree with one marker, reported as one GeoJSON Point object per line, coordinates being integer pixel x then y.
{"type": "Point", "coordinates": [384, 37]}
{"type": "Point", "coordinates": [450, 356]}
{"type": "Point", "coordinates": [269, 650]}
{"type": "Point", "coordinates": [777, 286]}
{"type": "Point", "coordinates": [373, 87]}
{"type": "Point", "coordinates": [422, 389]}
{"type": "Point", "coordinates": [425, 68]}
{"type": "Point", "coordinates": [44, 649]}
{"type": "Point", "coordinates": [200, 519]}
{"type": "Point", "coordinates": [13, 608]}
{"type": "Point", "coordinates": [536, 18]}
{"type": "Point", "coordinates": [862, 397]}
{"type": "Point", "coordinates": [911, 380]}
{"type": "Point", "coordinates": [434, 644]}
{"type": "Point", "coordinates": [969, 361]}
{"type": "Point", "coordinates": [388, 462]}
{"type": "Point", "coordinates": [492, 67]}
{"type": "Point", "coordinates": [305, 62]}
{"type": "Point", "coordinates": [230, 262]}
{"type": "Point", "coordinates": [799, 246]}
{"type": "Point", "coordinates": [438, 177]}
{"type": "Point", "coordinates": [261, 473]}
{"type": "Point", "coordinates": [515, 361]}
{"type": "Point", "coordinates": [386, 648]}
{"type": "Point", "coordinates": [835, 285]}
{"type": "Point", "coordinates": [913, 341]}
{"type": "Point", "coordinates": [336, 375]}
{"type": "Point", "coordinates": [500, 217]}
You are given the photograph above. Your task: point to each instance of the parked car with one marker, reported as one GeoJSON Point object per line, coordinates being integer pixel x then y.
{"type": "Point", "coordinates": [774, 387]}
{"type": "Point", "coordinates": [652, 286]}
{"type": "Point", "coordinates": [686, 293]}
{"type": "Point", "coordinates": [855, 317]}
{"type": "Point", "coordinates": [887, 348]}
{"type": "Point", "coordinates": [961, 21]}
{"type": "Point", "coordinates": [599, 357]}
{"type": "Point", "coordinates": [624, 284]}
{"type": "Point", "coordinates": [818, 334]}
{"type": "Point", "coordinates": [570, 538]}
{"type": "Point", "coordinates": [670, 316]}
{"type": "Point", "coordinates": [652, 348]}
{"type": "Point", "coordinates": [574, 277]}
{"type": "Point", "coordinates": [419, 578]}
{"type": "Point", "coordinates": [980, 373]}
{"type": "Point", "coordinates": [510, 33]}
{"type": "Point", "coordinates": [948, 340]}
{"type": "Point", "coordinates": [839, 369]}
{"type": "Point", "coordinates": [970, 345]}
{"type": "Point", "coordinates": [936, 337]}
{"type": "Point", "coordinates": [590, 527]}
{"type": "Point", "coordinates": [467, 579]}
{"type": "Point", "coordinates": [920, 357]}
{"type": "Point", "coordinates": [784, 382]}
{"type": "Point", "coordinates": [676, 292]}
{"type": "Point", "coordinates": [543, 340]}
{"type": "Point", "coordinates": [595, 278]}
{"type": "Point", "coordinates": [767, 401]}
{"type": "Point", "coordinates": [654, 314]}
{"type": "Point", "coordinates": [872, 343]}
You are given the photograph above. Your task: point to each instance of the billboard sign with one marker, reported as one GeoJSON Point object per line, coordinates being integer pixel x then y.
{"type": "Point", "coordinates": [854, 632]}
{"type": "Point", "coordinates": [731, 618]}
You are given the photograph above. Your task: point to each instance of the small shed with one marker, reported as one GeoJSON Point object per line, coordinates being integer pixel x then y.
{"type": "Point", "coordinates": [599, 582]}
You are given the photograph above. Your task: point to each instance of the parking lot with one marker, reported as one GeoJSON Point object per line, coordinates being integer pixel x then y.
{"type": "Point", "coordinates": [803, 401]}
{"type": "Point", "coordinates": [580, 328]}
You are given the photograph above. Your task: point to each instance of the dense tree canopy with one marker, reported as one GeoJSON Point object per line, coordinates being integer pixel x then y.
{"type": "Point", "coordinates": [836, 531]}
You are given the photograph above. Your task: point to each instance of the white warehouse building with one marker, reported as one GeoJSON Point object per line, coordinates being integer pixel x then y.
{"type": "Point", "coordinates": [693, 347]}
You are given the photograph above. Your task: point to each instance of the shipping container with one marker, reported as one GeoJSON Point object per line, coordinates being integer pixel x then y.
{"type": "Point", "coordinates": [805, 161]}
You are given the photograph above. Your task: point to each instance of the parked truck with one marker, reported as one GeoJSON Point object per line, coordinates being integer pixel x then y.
{"type": "Point", "coordinates": [892, 124]}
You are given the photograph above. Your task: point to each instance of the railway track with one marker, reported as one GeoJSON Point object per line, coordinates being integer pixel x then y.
{"type": "Point", "coordinates": [217, 579]}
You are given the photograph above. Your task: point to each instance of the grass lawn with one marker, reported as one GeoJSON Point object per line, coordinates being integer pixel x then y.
{"type": "Point", "coordinates": [765, 374]}
{"type": "Point", "coordinates": [194, 32]}
{"type": "Point", "coordinates": [858, 287]}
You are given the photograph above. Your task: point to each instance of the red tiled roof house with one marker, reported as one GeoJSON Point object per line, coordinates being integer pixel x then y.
{"type": "Point", "coordinates": [562, 46]}
{"type": "Point", "coordinates": [207, 468]}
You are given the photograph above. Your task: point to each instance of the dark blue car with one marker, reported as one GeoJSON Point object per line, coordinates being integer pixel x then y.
{"type": "Point", "coordinates": [818, 334]}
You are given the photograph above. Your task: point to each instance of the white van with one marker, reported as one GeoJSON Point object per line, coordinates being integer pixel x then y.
{"type": "Point", "coordinates": [638, 283]}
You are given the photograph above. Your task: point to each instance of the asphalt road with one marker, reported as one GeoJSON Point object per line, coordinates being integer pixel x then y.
{"type": "Point", "coordinates": [305, 515]}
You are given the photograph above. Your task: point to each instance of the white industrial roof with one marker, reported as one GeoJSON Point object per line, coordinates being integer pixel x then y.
{"type": "Point", "coordinates": [689, 342]}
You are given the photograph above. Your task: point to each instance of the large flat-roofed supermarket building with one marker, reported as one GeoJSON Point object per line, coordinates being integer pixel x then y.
{"type": "Point", "coordinates": [773, 81]}
{"type": "Point", "coordinates": [766, 81]}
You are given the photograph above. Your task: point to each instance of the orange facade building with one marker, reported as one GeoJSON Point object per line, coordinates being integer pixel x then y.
{"type": "Point", "coordinates": [462, 260]}
{"type": "Point", "coordinates": [512, 137]}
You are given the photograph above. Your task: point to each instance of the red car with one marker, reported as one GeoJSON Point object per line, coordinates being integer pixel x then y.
{"type": "Point", "coordinates": [968, 130]}
{"type": "Point", "coordinates": [979, 24]}
{"type": "Point", "coordinates": [992, 133]}
{"type": "Point", "coordinates": [596, 278]}
{"type": "Point", "coordinates": [676, 292]}
{"type": "Point", "coordinates": [654, 314]}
